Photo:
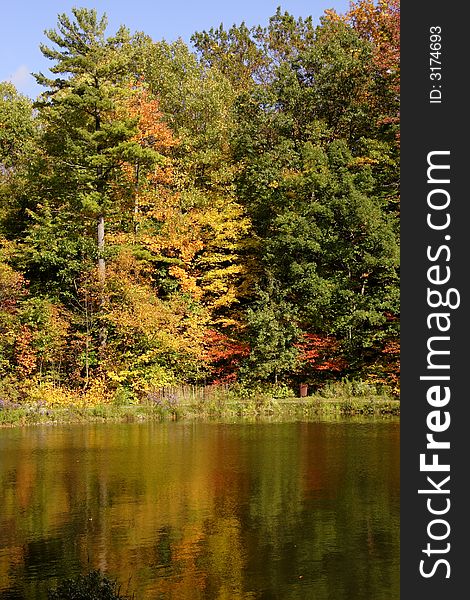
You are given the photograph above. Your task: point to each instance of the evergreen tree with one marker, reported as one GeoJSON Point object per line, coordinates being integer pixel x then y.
{"type": "Point", "coordinates": [88, 135]}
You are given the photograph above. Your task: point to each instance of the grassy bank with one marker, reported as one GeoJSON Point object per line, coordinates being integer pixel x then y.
{"type": "Point", "coordinates": [224, 405]}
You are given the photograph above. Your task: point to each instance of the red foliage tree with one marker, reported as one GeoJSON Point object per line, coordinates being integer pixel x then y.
{"type": "Point", "coordinates": [320, 353]}
{"type": "Point", "coordinates": [223, 356]}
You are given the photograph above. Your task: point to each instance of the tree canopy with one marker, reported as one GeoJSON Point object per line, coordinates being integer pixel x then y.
{"type": "Point", "coordinates": [226, 212]}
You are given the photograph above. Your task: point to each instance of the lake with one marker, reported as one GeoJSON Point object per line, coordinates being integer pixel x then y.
{"type": "Point", "coordinates": [213, 511]}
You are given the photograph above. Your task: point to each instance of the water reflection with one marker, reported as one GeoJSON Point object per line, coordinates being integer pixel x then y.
{"type": "Point", "coordinates": [182, 511]}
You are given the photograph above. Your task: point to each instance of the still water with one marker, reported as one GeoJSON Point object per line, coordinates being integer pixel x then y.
{"type": "Point", "coordinates": [189, 511]}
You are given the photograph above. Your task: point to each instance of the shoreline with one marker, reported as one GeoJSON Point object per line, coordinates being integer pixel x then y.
{"type": "Point", "coordinates": [272, 409]}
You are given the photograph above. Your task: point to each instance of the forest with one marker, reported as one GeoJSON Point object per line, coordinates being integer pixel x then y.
{"type": "Point", "coordinates": [225, 212]}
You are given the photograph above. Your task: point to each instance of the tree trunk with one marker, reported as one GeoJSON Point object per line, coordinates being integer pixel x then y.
{"type": "Point", "coordinates": [136, 199]}
{"type": "Point", "coordinates": [102, 275]}
{"type": "Point", "coordinates": [101, 261]}
{"type": "Point", "coordinates": [87, 342]}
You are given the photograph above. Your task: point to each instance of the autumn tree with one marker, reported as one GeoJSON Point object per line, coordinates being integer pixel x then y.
{"type": "Point", "coordinates": [204, 217]}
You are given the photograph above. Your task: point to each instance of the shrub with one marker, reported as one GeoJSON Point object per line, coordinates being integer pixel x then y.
{"type": "Point", "coordinates": [347, 388]}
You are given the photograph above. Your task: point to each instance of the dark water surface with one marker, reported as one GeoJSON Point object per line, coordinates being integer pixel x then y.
{"type": "Point", "coordinates": [189, 511]}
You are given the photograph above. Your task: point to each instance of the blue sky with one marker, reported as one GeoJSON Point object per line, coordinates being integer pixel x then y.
{"type": "Point", "coordinates": [23, 24]}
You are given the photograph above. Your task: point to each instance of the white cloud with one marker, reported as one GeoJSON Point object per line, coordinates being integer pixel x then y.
{"type": "Point", "coordinates": [21, 77]}
{"type": "Point", "coordinates": [24, 81]}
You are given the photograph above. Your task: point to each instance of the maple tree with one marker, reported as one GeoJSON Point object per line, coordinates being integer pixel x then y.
{"type": "Point", "coordinates": [224, 355]}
